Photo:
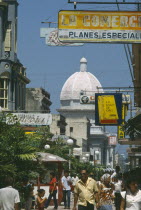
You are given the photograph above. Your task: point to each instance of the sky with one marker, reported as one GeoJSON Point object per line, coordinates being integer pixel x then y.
{"type": "Point", "coordinates": [49, 67]}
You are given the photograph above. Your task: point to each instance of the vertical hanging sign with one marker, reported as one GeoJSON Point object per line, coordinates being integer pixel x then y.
{"type": "Point", "coordinates": [108, 109]}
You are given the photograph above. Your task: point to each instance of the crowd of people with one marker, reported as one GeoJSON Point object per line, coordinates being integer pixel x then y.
{"type": "Point", "coordinates": [114, 190]}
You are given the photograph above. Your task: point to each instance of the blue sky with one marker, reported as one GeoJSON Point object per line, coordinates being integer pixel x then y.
{"type": "Point", "coordinates": [49, 67]}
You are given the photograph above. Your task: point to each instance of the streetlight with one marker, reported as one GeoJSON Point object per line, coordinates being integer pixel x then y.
{"type": "Point", "coordinates": [84, 159]}
{"type": "Point", "coordinates": [96, 152]}
{"type": "Point", "coordinates": [70, 143]}
{"type": "Point", "coordinates": [47, 146]}
{"type": "Point", "coordinates": [87, 156]}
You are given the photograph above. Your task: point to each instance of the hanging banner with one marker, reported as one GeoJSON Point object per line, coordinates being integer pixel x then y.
{"type": "Point", "coordinates": [29, 119]}
{"type": "Point", "coordinates": [112, 140]}
{"type": "Point", "coordinates": [99, 26]}
{"type": "Point", "coordinates": [108, 109]}
{"type": "Point", "coordinates": [51, 37]}
{"type": "Point", "coordinates": [121, 133]}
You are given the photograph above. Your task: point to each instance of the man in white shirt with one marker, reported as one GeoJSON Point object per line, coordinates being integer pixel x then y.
{"type": "Point", "coordinates": [74, 179]}
{"type": "Point", "coordinates": [66, 181]}
{"type": "Point", "coordinates": [9, 197]}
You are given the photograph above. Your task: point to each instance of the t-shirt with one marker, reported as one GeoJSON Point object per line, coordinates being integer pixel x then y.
{"type": "Point", "coordinates": [52, 184]}
{"type": "Point", "coordinates": [118, 186]}
{"type": "Point", "coordinates": [66, 182]}
{"type": "Point", "coordinates": [74, 180]}
{"type": "Point", "coordinates": [8, 198]}
{"type": "Point", "coordinates": [133, 202]}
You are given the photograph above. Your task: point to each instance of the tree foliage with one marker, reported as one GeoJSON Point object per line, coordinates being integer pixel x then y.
{"type": "Point", "coordinates": [16, 151]}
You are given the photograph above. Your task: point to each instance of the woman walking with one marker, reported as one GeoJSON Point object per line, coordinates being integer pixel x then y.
{"type": "Point", "coordinates": [106, 194]}
{"type": "Point", "coordinates": [131, 198]}
{"type": "Point", "coordinates": [52, 191]}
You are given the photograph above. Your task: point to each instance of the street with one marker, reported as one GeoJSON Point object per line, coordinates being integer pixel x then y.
{"type": "Point", "coordinates": [62, 207]}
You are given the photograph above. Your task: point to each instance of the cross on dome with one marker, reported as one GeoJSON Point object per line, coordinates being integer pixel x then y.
{"type": "Point", "coordinates": [83, 65]}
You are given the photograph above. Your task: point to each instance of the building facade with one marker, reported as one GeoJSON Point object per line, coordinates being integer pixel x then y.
{"type": "Point", "coordinates": [13, 78]}
{"type": "Point", "coordinates": [58, 126]}
{"type": "Point", "coordinates": [80, 118]}
{"type": "Point", "coordinates": [37, 100]}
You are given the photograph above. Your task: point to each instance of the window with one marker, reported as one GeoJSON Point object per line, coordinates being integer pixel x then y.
{"type": "Point", "coordinates": [71, 129]}
{"type": "Point", "coordinates": [7, 42]}
{"type": "Point", "coordinates": [4, 93]}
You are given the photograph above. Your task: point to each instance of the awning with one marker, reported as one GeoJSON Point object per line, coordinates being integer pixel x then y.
{"type": "Point", "coordinates": [47, 157]}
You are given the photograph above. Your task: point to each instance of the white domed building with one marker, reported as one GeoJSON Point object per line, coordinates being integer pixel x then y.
{"type": "Point", "coordinates": [80, 118]}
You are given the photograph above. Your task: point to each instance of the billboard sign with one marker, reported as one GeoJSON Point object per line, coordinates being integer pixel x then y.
{"type": "Point", "coordinates": [77, 151]}
{"type": "Point", "coordinates": [126, 99]}
{"type": "Point", "coordinates": [99, 26]}
{"type": "Point", "coordinates": [112, 140]}
{"type": "Point", "coordinates": [87, 99]}
{"type": "Point", "coordinates": [108, 108]}
{"type": "Point", "coordinates": [29, 119]}
{"type": "Point", "coordinates": [51, 38]}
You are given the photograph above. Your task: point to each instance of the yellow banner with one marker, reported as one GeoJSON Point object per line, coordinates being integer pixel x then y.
{"type": "Point", "coordinates": [110, 20]}
{"type": "Point", "coordinates": [107, 109]}
{"type": "Point", "coordinates": [121, 133]}
{"type": "Point", "coordinates": [29, 133]}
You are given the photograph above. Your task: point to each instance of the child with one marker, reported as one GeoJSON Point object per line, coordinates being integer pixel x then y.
{"type": "Point", "coordinates": [40, 200]}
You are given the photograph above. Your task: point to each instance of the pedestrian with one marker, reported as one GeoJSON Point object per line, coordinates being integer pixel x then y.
{"type": "Point", "coordinates": [106, 194]}
{"type": "Point", "coordinates": [9, 197]}
{"type": "Point", "coordinates": [74, 180]}
{"type": "Point", "coordinates": [117, 191]}
{"type": "Point", "coordinates": [40, 200]}
{"type": "Point", "coordinates": [52, 191]}
{"type": "Point", "coordinates": [106, 174]}
{"type": "Point", "coordinates": [66, 182]}
{"type": "Point", "coordinates": [116, 173]}
{"type": "Point", "coordinates": [131, 198]}
{"type": "Point", "coordinates": [27, 189]}
{"type": "Point", "coordinates": [85, 192]}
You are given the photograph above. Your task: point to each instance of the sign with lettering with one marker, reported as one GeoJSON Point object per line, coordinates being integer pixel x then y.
{"type": "Point", "coordinates": [51, 38]}
{"type": "Point", "coordinates": [77, 151]}
{"type": "Point", "coordinates": [108, 108]}
{"type": "Point", "coordinates": [121, 133]}
{"type": "Point", "coordinates": [112, 140]}
{"type": "Point", "coordinates": [126, 99]}
{"type": "Point", "coordinates": [99, 26]}
{"type": "Point", "coordinates": [29, 119]}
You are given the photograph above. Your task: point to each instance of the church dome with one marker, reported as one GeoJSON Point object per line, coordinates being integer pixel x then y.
{"type": "Point", "coordinates": [78, 82]}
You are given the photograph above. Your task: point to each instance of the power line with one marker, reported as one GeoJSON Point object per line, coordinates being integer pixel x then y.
{"type": "Point", "coordinates": [126, 52]}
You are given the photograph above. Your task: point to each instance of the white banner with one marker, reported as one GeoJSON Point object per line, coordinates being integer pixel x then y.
{"type": "Point", "coordinates": [51, 37]}
{"type": "Point", "coordinates": [77, 151]}
{"type": "Point", "coordinates": [112, 140]}
{"type": "Point", "coordinates": [83, 35]}
{"type": "Point", "coordinates": [29, 119]}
